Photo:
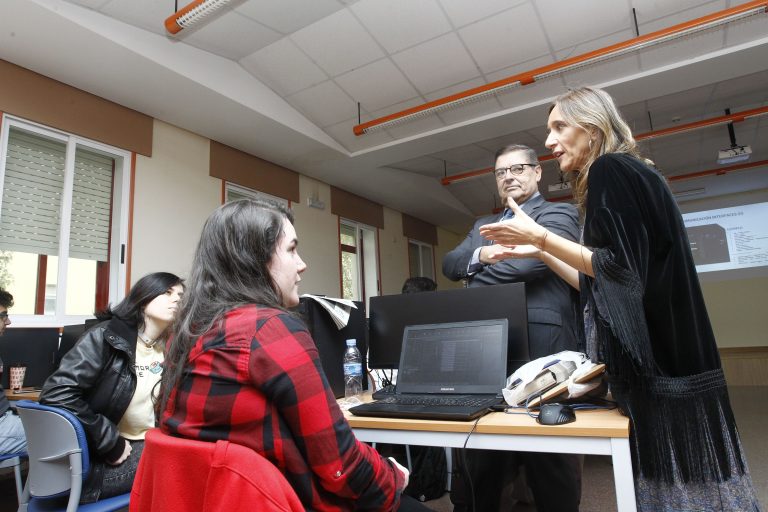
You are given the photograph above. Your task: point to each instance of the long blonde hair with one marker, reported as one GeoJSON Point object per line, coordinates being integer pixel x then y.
{"type": "Point", "coordinates": [593, 111]}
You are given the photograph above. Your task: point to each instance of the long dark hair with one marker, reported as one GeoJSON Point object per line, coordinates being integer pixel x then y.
{"type": "Point", "coordinates": [131, 309]}
{"type": "Point", "coordinates": [230, 269]}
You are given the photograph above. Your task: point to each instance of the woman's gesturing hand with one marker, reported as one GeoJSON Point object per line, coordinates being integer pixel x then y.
{"type": "Point", "coordinates": [520, 230]}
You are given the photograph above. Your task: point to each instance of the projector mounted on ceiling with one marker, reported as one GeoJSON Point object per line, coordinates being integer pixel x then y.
{"type": "Point", "coordinates": [733, 154]}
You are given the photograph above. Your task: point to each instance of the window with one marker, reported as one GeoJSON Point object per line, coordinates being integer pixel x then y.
{"type": "Point", "coordinates": [420, 259]}
{"type": "Point", "coordinates": [236, 192]}
{"type": "Point", "coordinates": [359, 267]}
{"type": "Point", "coordinates": [62, 223]}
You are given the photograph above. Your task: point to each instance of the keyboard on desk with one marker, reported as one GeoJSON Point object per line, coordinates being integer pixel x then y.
{"type": "Point", "coordinates": [456, 401]}
{"type": "Point", "coordinates": [429, 407]}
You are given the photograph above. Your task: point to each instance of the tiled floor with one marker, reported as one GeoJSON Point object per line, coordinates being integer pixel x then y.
{"type": "Point", "coordinates": [750, 405]}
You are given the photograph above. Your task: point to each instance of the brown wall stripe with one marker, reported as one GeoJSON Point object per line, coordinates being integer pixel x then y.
{"type": "Point", "coordinates": [417, 229]}
{"type": "Point", "coordinates": [250, 171]}
{"type": "Point", "coordinates": [356, 208]}
{"type": "Point", "coordinates": [35, 97]}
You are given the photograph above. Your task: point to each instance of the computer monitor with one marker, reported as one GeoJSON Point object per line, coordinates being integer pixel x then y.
{"type": "Point", "coordinates": [34, 347]}
{"type": "Point", "coordinates": [390, 314]}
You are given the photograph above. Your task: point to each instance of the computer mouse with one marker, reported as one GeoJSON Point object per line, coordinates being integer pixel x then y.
{"type": "Point", "coordinates": [556, 414]}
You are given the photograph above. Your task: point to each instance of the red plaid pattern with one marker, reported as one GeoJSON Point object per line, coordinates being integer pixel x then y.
{"type": "Point", "coordinates": [255, 379]}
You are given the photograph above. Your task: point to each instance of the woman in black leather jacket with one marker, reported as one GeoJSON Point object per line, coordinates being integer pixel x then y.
{"type": "Point", "coordinates": [108, 378]}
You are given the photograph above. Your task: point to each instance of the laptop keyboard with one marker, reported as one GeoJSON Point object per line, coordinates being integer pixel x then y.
{"type": "Point", "coordinates": [461, 401]}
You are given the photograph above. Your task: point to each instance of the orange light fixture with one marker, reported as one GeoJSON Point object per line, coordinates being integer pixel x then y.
{"type": "Point", "coordinates": [192, 13]}
{"type": "Point", "coordinates": [730, 118]}
{"type": "Point", "coordinates": [630, 45]}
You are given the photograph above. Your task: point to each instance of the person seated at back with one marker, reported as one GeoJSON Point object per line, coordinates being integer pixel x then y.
{"type": "Point", "coordinates": [107, 380]}
{"type": "Point", "coordinates": [419, 284]}
{"type": "Point", "coordinates": [12, 438]}
{"type": "Point", "coordinates": [241, 367]}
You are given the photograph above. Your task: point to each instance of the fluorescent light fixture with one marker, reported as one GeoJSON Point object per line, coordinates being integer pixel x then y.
{"type": "Point", "coordinates": [192, 14]}
{"type": "Point", "coordinates": [690, 192]}
{"type": "Point", "coordinates": [733, 154]}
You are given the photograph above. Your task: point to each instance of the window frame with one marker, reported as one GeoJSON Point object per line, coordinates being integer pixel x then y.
{"type": "Point", "coordinates": [251, 193]}
{"type": "Point", "coordinates": [120, 213]}
{"type": "Point", "coordinates": [364, 255]}
{"type": "Point", "coordinates": [421, 245]}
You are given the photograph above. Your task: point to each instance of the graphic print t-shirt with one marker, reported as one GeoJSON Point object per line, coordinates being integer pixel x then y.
{"type": "Point", "coordinates": [140, 415]}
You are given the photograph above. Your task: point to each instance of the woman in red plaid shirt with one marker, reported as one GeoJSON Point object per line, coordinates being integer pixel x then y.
{"type": "Point", "coordinates": [243, 368]}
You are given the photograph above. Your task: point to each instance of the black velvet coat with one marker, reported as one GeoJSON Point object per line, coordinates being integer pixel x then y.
{"type": "Point", "coordinates": [646, 318]}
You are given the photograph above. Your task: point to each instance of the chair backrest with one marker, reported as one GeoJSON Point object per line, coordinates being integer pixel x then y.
{"type": "Point", "coordinates": [58, 451]}
{"type": "Point", "coordinates": [216, 477]}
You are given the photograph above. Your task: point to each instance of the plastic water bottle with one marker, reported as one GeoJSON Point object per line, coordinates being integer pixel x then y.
{"type": "Point", "coordinates": [353, 370]}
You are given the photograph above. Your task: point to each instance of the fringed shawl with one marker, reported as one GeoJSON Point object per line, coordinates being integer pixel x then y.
{"type": "Point", "coordinates": [652, 329]}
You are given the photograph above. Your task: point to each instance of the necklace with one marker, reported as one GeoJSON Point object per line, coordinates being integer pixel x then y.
{"type": "Point", "coordinates": [147, 343]}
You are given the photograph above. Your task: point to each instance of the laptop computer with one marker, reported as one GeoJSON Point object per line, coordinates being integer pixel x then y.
{"type": "Point", "coordinates": [448, 371]}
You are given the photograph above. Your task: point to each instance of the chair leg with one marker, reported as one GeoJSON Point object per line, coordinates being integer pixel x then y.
{"type": "Point", "coordinates": [17, 476]}
{"type": "Point", "coordinates": [24, 499]}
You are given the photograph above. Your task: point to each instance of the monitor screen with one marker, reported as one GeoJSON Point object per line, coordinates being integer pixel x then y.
{"type": "Point", "coordinates": [390, 314]}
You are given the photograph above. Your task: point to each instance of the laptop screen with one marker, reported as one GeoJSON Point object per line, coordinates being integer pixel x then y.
{"type": "Point", "coordinates": [454, 358]}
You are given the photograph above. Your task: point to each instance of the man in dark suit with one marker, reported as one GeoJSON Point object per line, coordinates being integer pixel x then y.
{"type": "Point", "coordinates": [555, 479]}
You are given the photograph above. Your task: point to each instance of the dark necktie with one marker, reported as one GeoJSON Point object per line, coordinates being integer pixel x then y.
{"type": "Point", "coordinates": [508, 214]}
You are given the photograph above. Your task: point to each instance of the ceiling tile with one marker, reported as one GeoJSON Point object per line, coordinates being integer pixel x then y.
{"type": "Point", "coordinates": [234, 37]}
{"type": "Point", "coordinates": [91, 4]}
{"type": "Point", "coordinates": [425, 65]}
{"type": "Point", "coordinates": [147, 14]}
{"type": "Point", "coordinates": [654, 15]}
{"type": "Point", "coordinates": [338, 43]}
{"type": "Point", "coordinates": [462, 12]}
{"type": "Point", "coordinates": [288, 16]}
{"type": "Point", "coordinates": [497, 42]}
{"type": "Point", "coordinates": [592, 19]}
{"type": "Point", "coordinates": [325, 104]}
{"type": "Point", "coordinates": [284, 67]}
{"type": "Point", "coordinates": [398, 24]}
{"type": "Point", "coordinates": [471, 156]}
{"type": "Point", "coordinates": [522, 67]}
{"type": "Point", "coordinates": [594, 44]}
{"type": "Point", "coordinates": [377, 85]}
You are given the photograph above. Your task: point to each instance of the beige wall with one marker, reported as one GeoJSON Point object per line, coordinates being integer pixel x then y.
{"type": "Point", "coordinates": [446, 241]}
{"type": "Point", "coordinates": [737, 310]}
{"type": "Point", "coordinates": [393, 253]}
{"type": "Point", "coordinates": [173, 196]}
{"type": "Point", "coordinates": [318, 232]}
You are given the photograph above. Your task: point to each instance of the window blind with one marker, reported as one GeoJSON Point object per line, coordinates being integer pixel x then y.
{"type": "Point", "coordinates": [91, 202]}
{"type": "Point", "coordinates": [32, 193]}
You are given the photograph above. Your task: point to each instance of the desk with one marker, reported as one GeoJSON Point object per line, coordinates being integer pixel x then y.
{"type": "Point", "coordinates": [594, 432]}
{"type": "Point", "coordinates": [26, 394]}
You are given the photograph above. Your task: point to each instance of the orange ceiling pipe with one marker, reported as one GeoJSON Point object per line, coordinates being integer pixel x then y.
{"type": "Point", "coordinates": [192, 13]}
{"type": "Point", "coordinates": [731, 118]}
{"type": "Point", "coordinates": [529, 77]}
{"type": "Point", "coordinates": [718, 171]}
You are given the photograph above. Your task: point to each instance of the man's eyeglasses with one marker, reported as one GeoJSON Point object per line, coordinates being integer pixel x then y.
{"type": "Point", "coordinates": [3, 315]}
{"type": "Point", "coordinates": [514, 170]}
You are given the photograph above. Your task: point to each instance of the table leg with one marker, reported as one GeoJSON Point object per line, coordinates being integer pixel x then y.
{"type": "Point", "coordinates": [622, 475]}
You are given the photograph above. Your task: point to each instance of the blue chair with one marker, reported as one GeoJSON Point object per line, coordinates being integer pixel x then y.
{"type": "Point", "coordinates": [13, 460]}
{"type": "Point", "coordinates": [58, 462]}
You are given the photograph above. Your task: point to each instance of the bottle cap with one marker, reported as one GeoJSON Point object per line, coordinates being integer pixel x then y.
{"type": "Point", "coordinates": [352, 342]}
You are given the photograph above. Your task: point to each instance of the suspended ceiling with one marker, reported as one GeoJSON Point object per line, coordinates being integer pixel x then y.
{"type": "Point", "coordinates": [282, 79]}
